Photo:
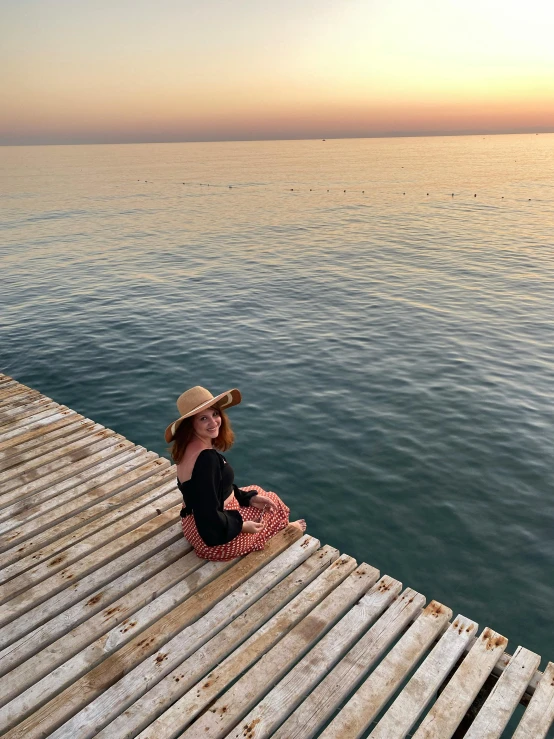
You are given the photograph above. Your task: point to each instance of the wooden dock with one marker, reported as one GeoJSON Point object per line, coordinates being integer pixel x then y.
{"type": "Point", "coordinates": [110, 625]}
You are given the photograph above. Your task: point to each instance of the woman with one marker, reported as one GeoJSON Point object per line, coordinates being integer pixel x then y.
{"type": "Point", "coordinates": [220, 520]}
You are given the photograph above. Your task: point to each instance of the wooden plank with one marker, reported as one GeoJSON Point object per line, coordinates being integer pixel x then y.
{"type": "Point", "coordinates": [43, 502]}
{"type": "Point", "coordinates": [203, 694]}
{"type": "Point", "coordinates": [15, 428]}
{"type": "Point", "coordinates": [9, 416]}
{"type": "Point", "coordinates": [77, 637]}
{"type": "Point", "coordinates": [460, 692]}
{"type": "Point", "coordinates": [423, 686]}
{"type": "Point", "coordinates": [51, 449]}
{"type": "Point", "coordinates": [26, 497]}
{"type": "Point", "coordinates": [40, 592]}
{"type": "Point", "coordinates": [287, 695]}
{"type": "Point", "coordinates": [134, 684]}
{"type": "Point", "coordinates": [503, 663]}
{"type": "Point", "coordinates": [235, 703]}
{"type": "Point", "coordinates": [37, 479]}
{"type": "Point", "coordinates": [51, 453]}
{"type": "Point", "coordinates": [20, 416]}
{"type": "Point", "coordinates": [7, 383]}
{"type": "Point", "coordinates": [539, 714]}
{"type": "Point", "coordinates": [7, 386]}
{"type": "Point", "coordinates": [17, 396]}
{"type": "Point", "coordinates": [35, 447]}
{"type": "Point", "coordinates": [9, 443]}
{"type": "Point", "coordinates": [112, 535]}
{"type": "Point", "coordinates": [128, 572]}
{"type": "Point", "coordinates": [118, 506]}
{"type": "Point", "coordinates": [26, 695]}
{"type": "Point", "coordinates": [505, 696]}
{"type": "Point", "coordinates": [356, 716]}
{"type": "Point", "coordinates": [87, 587]}
{"type": "Point", "coordinates": [109, 477]}
{"type": "Point", "coordinates": [74, 698]}
{"type": "Point", "coordinates": [84, 514]}
{"type": "Point", "coordinates": [320, 705]}
{"type": "Point", "coordinates": [172, 687]}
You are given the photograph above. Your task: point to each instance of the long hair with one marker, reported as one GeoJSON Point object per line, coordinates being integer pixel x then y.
{"type": "Point", "coordinates": [185, 432]}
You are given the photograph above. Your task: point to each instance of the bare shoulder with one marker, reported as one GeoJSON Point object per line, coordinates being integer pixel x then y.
{"type": "Point", "coordinates": [186, 465]}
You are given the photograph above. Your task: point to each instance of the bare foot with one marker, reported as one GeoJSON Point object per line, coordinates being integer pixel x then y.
{"type": "Point", "coordinates": [300, 524]}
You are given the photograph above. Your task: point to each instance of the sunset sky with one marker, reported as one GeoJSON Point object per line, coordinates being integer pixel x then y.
{"type": "Point", "coordinates": [87, 71]}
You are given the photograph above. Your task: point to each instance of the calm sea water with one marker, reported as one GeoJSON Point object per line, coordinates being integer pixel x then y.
{"type": "Point", "coordinates": [385, 306]}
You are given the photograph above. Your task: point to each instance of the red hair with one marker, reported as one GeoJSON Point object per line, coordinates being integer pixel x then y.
{"type": "Point", "coordinates": [185, 431]}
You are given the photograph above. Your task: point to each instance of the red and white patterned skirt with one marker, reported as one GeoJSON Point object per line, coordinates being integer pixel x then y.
{"type": "Point", "coordinates": [243, 543]}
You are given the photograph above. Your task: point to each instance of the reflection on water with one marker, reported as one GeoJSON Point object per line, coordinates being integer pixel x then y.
{"type": "Point", "coordinates": [384, 305]}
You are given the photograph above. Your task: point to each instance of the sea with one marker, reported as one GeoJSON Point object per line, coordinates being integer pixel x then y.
{"type": "Point", "coordinates": [385, 307]}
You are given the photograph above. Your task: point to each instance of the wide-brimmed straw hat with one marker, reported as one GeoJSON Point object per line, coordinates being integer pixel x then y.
{"type": "Point", "coordinates": [197, 399]}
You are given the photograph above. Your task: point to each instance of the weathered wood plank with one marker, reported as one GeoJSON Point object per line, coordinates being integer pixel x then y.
{"type": "Point", "coordinates": [11, 441]}
{"type": "Point", "coordinates": [74, 698]}
{"type": "Point", "coordinates": [320, 705]}
{"type": "Point", "coordinates": [539, 714]}
{"type": "Point", "coordinates": [23, 499]}
{"type": "Point", "coordinates": [110, 535]}
{"type": "Point", "coordinates": [162, 695]}
{"type": "Point", "coordinates": [37, 479]}
{"type": "Point", "coordinates": [42, 418]}
{"type": "Point", "coordinates": [95, 651]}
{"type": "Point", "coordinates": [34, 447]}
{"type": "Point", "coordinates": [37, 593]}
{"type": "Point", "coordinates": [11, 416]}
{"type": "Point", "coordinates": [235, 703]}
{"type": "Point", "coordinates": [88, 586]}
{"type": "Point", "coordinates": [81, 516]}
{"type": "Point", "coordinates": [127, 502]}
{"type": "Point", "coordinates": [50, 450]}
{"type": "Point", "coordinates": [452, 704]}
{"type": "Point", "coordinates": [415, 697]}
{"type": "Point", "coordinates": [503, 699]}
{"type": "Point", "coordinates": [84, 639]}
{"type": "Point", "coordinates": [122, 694]}
{"type": "Point", "coordinates": [356, 716]}
{"type": "Point", "coordinates": [35, 411]}
{"type": "Point", "coordinates": [127, 591]}
{"type": "Point", "coordinates": [50, 460]}
{"type": "Point", "coordinates": [17, 396]}
{"type": "Point", "coordinates": [503, 663]}
{"type": "Point", "coordinates": [110, 476]}
{"type": "Point", "coordinates": [198, 697]}
{"type": "Point", "coordinates": [287, 695]}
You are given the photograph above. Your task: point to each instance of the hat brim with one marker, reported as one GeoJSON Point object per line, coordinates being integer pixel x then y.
{"type": "Point", "coordinates": [223, 401]}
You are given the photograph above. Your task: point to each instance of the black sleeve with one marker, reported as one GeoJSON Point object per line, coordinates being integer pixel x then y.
{"type": "Point", "coordinates": [243, 496]}
{"type": "Point", "coordinates": [214, 525]}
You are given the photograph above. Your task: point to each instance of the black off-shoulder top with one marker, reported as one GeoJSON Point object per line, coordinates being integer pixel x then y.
{"type": "Point", "coordinates": [205, 493]}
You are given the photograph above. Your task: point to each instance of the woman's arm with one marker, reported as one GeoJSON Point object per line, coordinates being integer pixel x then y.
{"type": "Point", "coordinates": [214, 526]}
{"type": "Point", "coordinates": [243, 496]}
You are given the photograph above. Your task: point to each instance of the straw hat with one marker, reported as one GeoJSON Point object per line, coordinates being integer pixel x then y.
{"type": "Point", "coordinates": [197, 399]}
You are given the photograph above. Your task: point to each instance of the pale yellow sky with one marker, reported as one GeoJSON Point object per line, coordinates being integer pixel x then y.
{"type": "Point", "coordinates": [174, 70]}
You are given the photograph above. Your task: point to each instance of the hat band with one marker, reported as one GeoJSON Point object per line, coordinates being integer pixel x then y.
{"type": "Point", "coordinates": [228, 401]}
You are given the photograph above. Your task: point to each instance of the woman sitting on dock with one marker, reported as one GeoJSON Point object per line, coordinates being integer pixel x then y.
{"type": "Point", "coordinates": [220, 520]}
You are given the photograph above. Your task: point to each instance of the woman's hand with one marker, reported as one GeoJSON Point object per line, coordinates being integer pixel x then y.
{"type": "Point", "coordinates": [251, 527]}
{"type": "Point", "coordinates": [262, 501]}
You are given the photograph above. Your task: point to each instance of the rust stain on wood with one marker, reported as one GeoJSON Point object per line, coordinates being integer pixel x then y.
{"type": "Point", "coordinates": [94, 600]}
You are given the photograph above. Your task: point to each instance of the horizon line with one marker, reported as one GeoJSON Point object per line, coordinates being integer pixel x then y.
{"type": "Point", "coordinates": [388, 135]}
